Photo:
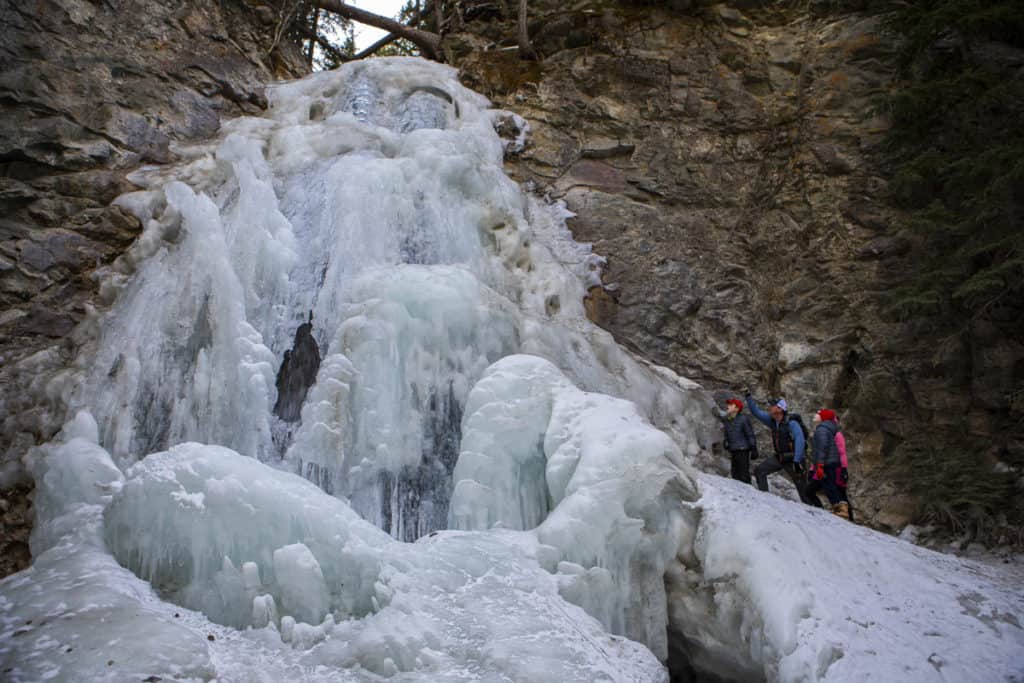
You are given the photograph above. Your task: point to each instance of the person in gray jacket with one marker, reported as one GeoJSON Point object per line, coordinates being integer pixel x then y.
{"type": "Point", "coordinates": [739, 439]}
{"type": "Point", "coordinates": [825, 463]}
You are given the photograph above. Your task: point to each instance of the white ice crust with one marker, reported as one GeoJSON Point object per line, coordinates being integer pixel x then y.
{"type": "Point", "coordinates": [463, 399]}
{"type": "Point", "coordinates": [770, 589]}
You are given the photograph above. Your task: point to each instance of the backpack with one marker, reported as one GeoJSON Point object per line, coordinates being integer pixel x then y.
{"type": "Point", "coordinates": [795, 417]}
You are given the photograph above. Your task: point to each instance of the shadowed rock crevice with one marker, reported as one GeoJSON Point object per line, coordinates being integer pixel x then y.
{"type": "Point", "coordinates": [297, 373]}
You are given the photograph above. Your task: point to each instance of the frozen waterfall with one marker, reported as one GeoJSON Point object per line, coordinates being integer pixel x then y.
{"type": "Point", "coordinates": [321, 290]}
{"type": "Point", "coordinates": [324, 288]}
{"type": "Point", "coordinates": [346, 420]}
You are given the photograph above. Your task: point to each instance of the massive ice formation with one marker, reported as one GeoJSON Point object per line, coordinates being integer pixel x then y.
{"type": "Point", "coordinates": [244, 545]}
{"type": "Point", "coordinates": [372, 204]}
{"type": "Point", "coordinates": [451, 476]}
{"type": "Point", "coordinates": [365, 228]}
{"type": "Point", "coordinates": [589, 475]}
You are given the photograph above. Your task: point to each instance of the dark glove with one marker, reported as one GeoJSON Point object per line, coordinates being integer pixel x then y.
{"type": "Point", "coordinates": [798, 467]}
{"type": "Point", "coordinates": [746, 392]}
{"type": "Point", "coordinates": [754, 455]}
{"type": "Point", "coordinates": [844, 476]}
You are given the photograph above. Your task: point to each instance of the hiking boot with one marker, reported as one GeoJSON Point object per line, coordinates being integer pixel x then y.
{"type": "Point", "coordinates": [841, 509]}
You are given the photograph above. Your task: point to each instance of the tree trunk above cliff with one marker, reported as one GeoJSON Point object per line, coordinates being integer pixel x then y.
{"type": "Point", "coordinates": [526, 50]}
{"type": "Point", "coordinates": [429, 43]}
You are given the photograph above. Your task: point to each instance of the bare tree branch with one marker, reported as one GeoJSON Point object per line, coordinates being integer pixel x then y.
{"type": "Point", "coordinates": [285, 15]}
{"type": "Point", "coordinates": [383, 42]}
{"type": "Point", "coordinates": [325, 44]}
{"type": "Point", "coordinates": [414, 20]}
{"type": "Point", "coordinates": [429, 43]}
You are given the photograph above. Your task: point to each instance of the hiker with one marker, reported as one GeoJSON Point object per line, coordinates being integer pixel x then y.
{"type": "Point", "coordinates": [788, 441]}
{"type": "Point", "coordinates": [739, 439]}
{"type": "Point", "coordinates": [843, 476]}
{"type": "Point", "coordinates": [826, 464]}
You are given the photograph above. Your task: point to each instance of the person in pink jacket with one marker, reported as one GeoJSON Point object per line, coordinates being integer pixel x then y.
{"type": "Point", "coordinates": [843, 474]}
{"type": "Point", "coordinates": [841, 446]}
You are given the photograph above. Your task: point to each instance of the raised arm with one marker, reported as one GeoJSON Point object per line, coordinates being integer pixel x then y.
{"type": "Point", "coordinates": [756, 411]}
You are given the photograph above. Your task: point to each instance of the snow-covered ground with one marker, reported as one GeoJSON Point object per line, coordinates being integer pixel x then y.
{"type": "Point", "coordinates": [187, 530]}
{"type": "Point", "coordinates": [759, 587]}
{"type": "Point", "coordinates": [797, 594]}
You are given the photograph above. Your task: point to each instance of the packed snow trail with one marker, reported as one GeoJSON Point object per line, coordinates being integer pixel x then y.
{"type": "Point", "coordinates": [346, 420]}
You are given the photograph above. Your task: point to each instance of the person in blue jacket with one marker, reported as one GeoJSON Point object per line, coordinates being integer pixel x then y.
{"type": "Point", "coordinates": [787, 441]}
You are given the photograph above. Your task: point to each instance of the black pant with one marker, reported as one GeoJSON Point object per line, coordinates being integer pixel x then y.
{"type": "Point", "coordinates": [740, 465]}
{"type": "Point", "coordinates": [828, 484]}
{"type": "Point", "coordinates": [774, 464]}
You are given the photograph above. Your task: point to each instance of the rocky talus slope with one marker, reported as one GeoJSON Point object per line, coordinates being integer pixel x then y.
{"type": "Point", "coordinates": [88, 92]}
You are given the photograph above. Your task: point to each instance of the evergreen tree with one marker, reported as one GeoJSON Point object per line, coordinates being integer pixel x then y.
{"type": "Point", "coordinates": [958, 140]}
{"type": "Point", "coordinates": [957, 144]}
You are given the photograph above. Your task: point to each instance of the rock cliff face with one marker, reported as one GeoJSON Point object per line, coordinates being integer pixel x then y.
{"type": "Point", "coordinates": [90, 90]}
{"type": "Point", "coordinates": [727, 159]}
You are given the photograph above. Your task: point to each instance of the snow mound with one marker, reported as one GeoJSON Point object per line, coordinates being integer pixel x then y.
{"type": "Point", "coordinates": [75, 614]}
{"type": "Point", "coordinates": [774, 590]}
{"type": "Point", "coordinates": [759, 588]}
